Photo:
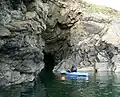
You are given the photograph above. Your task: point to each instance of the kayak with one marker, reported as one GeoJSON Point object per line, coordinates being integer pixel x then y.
{"type": "Point", "coordinates": [76, 75]}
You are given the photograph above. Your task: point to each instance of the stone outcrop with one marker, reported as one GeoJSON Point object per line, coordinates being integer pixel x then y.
{"type": "Point", "coordinates": [55, 32]}
{"type": "Point", "coordinates": [90, 41]}
{"type": "Point", "coordinates": [61, 18]}
{"type": "Point", "coordinates": [21, 44]}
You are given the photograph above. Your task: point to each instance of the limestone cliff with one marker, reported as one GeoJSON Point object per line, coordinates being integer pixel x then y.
{"type": "Point", "coordinates": [21, 44]}
{"type": "Point", "coordinates": [55, 32]}
{"type": "Point", "coordinates": [84, 35]}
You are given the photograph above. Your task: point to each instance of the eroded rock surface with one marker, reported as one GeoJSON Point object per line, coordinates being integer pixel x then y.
{"type": "Point", "coordinates": [90, 43]}
{"type": "Point", "coordinates": [21, 44]}
{"type": "Point", "coordinates": [55, 32]}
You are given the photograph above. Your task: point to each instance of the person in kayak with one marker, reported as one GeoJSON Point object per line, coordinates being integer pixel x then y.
{"type": "Point", "coordinates": [74, 69]}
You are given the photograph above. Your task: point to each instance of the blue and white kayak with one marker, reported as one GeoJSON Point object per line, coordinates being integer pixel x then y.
{"type": "Point", "coordinates": [76, 75]}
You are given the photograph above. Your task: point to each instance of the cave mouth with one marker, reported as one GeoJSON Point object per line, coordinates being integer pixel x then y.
{"type": "Point", "coordinates": [49, 60]}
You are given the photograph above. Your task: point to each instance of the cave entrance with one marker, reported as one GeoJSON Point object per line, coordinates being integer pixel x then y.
{"type": "Point", "coordinates": [49, 60]}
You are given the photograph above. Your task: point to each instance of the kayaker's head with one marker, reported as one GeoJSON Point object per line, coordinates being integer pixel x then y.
{"type": "Point", "coordinates": [74, 68]}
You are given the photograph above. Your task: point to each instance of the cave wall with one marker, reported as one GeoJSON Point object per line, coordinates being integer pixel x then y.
{"type": "Point", "coordinates": [78, 35]}
{"type": "Point", "coordinates": [57, 36]}
{"type": "Point", "coordinates": [54, 33]}
{"type": "Point", "coordinates": [21, 44]}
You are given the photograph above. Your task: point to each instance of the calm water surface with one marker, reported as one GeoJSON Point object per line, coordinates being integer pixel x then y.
{"type": "Point", "coordinates": [104, 84]}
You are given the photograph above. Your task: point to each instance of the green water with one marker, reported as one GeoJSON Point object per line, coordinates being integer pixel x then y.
{"type": "Point", "coordinates": [104, 84]}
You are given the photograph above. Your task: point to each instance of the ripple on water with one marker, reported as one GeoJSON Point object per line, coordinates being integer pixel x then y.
{"type": "Point", "coordinates": [102, 85]}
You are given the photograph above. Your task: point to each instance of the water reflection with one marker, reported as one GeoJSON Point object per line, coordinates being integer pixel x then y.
{"type": "Point", "coordinates": [103, 84]}
{"type": "Point", "coordinates": [17, 91]}
{"type": "Point", "coordinates": [55, 87]}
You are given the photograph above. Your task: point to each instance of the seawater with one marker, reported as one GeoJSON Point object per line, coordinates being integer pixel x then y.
{"type": "Point", "coordinates": [102, 84]}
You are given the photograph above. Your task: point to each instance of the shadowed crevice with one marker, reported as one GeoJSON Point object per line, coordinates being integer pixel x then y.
{"type": "Point", "coordinates": [49, 61]}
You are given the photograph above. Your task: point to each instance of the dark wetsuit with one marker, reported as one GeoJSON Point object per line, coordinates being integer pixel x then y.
{"type": "Point", "coordinates": [74, 69]}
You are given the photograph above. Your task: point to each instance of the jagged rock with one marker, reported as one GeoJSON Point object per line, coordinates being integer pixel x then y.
{"type": "Point", "coordinates": [103, 66]}
{"type": "Point", "coordinates": [19, 26]}
{"type": "Point", "coordinates": [30, 15]}
{"type": "Point", "coordinates": [5, 17]}
{"type": "Point", "coordinates": [87, 40]}
{"type": "Point", "coordinates": [96, 17]}
{"type": "Point", "coordinates": [16, 15]}
{"type": "Point", "coordinates": [69, 19]}
{"type": "Point", "coordinates": [102, 57]}
{"type": "Point", "coordinates": [91, 27]}
{"type": "Point", "coordinates": [112, 35]}
{"type": "Point", "coordinates": [116, 61]}
{"type": "Point", "coordinates": [4, 32]}
{"type": "Point", "coordinates": [21, 45]}
{"type": "Point", "coordinates": [61, 29]}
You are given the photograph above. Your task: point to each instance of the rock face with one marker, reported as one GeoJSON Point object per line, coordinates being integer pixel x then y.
{"type": "Point", "coordinates": [21, 44]}
{"type": "Point", "coordinates": [89, 38]}
{"type": "Point", "coordinates": [61, 18]}
{"type": "Point", "coordinates": [55, 32]}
